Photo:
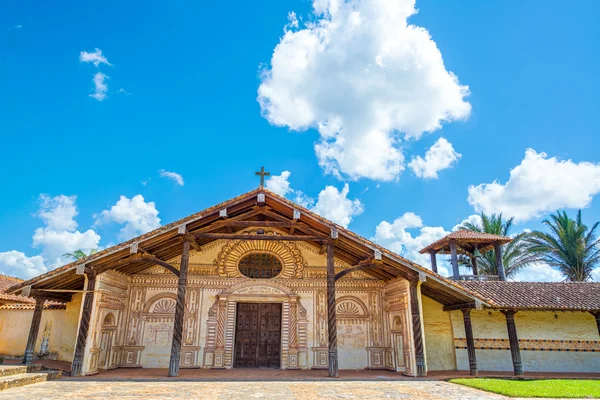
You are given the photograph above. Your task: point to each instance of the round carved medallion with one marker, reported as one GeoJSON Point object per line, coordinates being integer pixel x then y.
{"type": "Point", "coordinates": [285, 252]}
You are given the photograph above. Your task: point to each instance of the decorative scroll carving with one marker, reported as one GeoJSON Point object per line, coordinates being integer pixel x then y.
{"type": "Point", "coordinates": [164, 306]}
{"type": "Point", "coordinates": [234, 250]}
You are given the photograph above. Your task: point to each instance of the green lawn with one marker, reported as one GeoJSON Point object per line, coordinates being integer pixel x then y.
{"type": "Point", "coordinates": [567, 388]}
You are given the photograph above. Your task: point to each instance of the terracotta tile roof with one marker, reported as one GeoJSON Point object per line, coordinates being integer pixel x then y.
{"type": "Point", "coordinates": [465, 236]}
{"type": "Point", "coordinates": [576, 296]}
{"type": "Point", "coordinates": [5, 283]}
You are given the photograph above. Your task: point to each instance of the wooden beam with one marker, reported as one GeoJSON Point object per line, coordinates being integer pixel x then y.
{"type": "Point", "coordinates": [462, 306]}
{"type": "Point", "coordinates": [237, 236]}
{"type": "Point", "coordinates": [433, 261]}
{"type": "Point", "coordinates": [179, 312]}
{"type": "Point", "coordinates": [259, 224]}
{"type": "Point", "coordinates": [513, 339]}
{"type": "Point", "coordinates": [466, 312]}
{"type": "Point", "coordinates": [454, 260]}
{"type": "Point", "coordinates": [417, 329]}
{"type": "Point", "coordinates": [34, 328]}
{"type": "Point", "coordinates": [84, 326]}
{"type": "Point", "coordinates": [331, 313]}
{"type": "Point", "coordinates": [63, 297]}
{"type": "Point", "coordinates": [139, 257]}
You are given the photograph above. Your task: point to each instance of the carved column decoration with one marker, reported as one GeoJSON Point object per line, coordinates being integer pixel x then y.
{"type": "Point", "coordinates": [466, 312]}
{"type": "Point", "coordinates": [499, 263]}
{"type": "Point", "coordinates": [514, 341]}
{"type": "Point", "coordinates": [433, 261]}
{"type": "Point", "coordinates": [331, 313]}
{"type": "Point", "coordinates": [597, 315]}
{"type": "Point", "coordinates": [34, 329]}
{"type": "Point", "coordinates": [454, 260]}
{"type": "Point", "coordinates": [179, 311]}
{"type": "Point", "coordinates": [84, 324]}
{"type": "Point", "coordinates": [417, 330]}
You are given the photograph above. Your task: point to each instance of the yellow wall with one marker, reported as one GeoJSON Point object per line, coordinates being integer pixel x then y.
{"type": "Point", "coordinates": [439, 338]}
{"type": "Point", "coordinates": [61, 324]}
{"type": "Point", "coordinates": [531, 325]}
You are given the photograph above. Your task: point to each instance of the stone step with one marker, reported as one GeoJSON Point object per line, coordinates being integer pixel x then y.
{"type": "Point", "coordinates": [12, 381]}
{"type": "Point", "coordinates": [7, 370]}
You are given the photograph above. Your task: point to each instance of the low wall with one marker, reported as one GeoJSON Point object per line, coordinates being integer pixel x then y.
{"type": "Point", "coordinates": [549, 341]}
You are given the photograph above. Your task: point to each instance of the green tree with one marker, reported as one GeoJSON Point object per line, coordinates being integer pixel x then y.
{"type": "Point", "coordinates": [515, 255]}
{"type": "Point", "coordinates": [79, 254]}
{"type": "Point", "coordinates": [569, 246]}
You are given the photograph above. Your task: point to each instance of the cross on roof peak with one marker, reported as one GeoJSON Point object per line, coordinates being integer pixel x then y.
{"type": "Point", "coordinates": [262, 174]}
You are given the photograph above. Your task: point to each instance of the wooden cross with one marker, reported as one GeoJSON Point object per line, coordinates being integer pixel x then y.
{"type": "Point", "coordinates": [262, 174]}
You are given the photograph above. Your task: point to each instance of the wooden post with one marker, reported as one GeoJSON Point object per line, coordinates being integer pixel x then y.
{"type": "Point", "coordinates": [454, 260]}
{"type": "Point", "coordinates": [597, 315]}
{"type": "Point", "coordinates": [466, 312]}
{"type": "Point", "coordinates": [84, 325]}
{"type": "Point", "coordinates": [474, 265]}
{"type": "Point", "coordinates": [514, 341]}
{"type": "Point", "coordinates": [499, 264]}
{"type": "Point", "coordinates": [34, 329]}
{"type": "Point", "coordinates": [331, 313]}
{"type": "Point", "coordinates": [433, 261]}
{"type": "Point", "coordinates": [179, 311]}
{"type": "Point", "coordinates": [417, 331]}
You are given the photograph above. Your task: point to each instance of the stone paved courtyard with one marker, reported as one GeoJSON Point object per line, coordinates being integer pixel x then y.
{"type": "Point", "coordinates": [302, 390]}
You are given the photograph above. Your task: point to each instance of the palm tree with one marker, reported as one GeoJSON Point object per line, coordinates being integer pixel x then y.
{"type": "Point", "coordinates": [79, 254]}
{"type": "Point", "coordinates": [515, 255]}
{"type": "Point", "coordinates": [570, 246]}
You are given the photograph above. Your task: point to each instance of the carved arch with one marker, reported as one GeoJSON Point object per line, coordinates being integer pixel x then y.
{"type": "Point", "coordinates": [234, 250]}
{"type": "Point", "coordinates": [155, 299]}
{"type": "Point", "coordinates": [351, 307]}
{"type": "Point", "coordinates": [109, 320]}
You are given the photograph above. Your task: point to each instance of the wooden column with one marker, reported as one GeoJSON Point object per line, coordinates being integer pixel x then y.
{"type": "Point", "coordinates": [474, 265]}
{"type": "Point", "coordinates": [34, 329]}
{"type": "Point", "coordinates": [433, 261]}
{"type": "Point", "coordinates": [331, 313]}
{"type": "Point", "coordinates": [84, 324]}
{"type": "Point", "coordinates": [499, 263]}
{"type": "Point", "coordinates": [454, 260]}
{"type": "Point", "coordinates": [514, 341]}
{"type": "Point", "coordinates": [415, 311]}
{"type": "Point", "coordinates": [466, 312]}
{"type": "Point", "coordinates": [179, 311]}
{"type": "Point", "coordinates": [597, 315]}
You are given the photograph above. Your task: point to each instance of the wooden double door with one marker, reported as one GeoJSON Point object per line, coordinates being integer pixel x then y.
{"type": "Point", "coordinates": [258, 335]}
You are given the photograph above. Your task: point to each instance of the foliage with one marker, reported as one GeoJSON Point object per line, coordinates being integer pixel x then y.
{"type": "Point", "coordinates": [569, 246]}
{"type": "Point", "coordinates": [79, 254]}
{"type": "Point", "coordinates": [549, 388]}
{"type": "Point", "coordinates": [515, 255]}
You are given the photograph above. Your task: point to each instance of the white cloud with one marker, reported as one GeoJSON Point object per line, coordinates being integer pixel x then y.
{"type": "Point", "coordinates": [174, 176]}
{"type": "Point", "coordinates": [396, 237]}
{"type": "Point", "coordinates": [538, 273]}
{"type": "Point", "coordinates": [123, 91]}
{"type": "Point", "coordinates": [279, 184]}
{"type": "Point", "coordinates": [95, 58]}
{"type": "Point", "coordinates": [361, 75]}
{"type": "Point", "coordinates": [58, 236]}
{"type": "Point", "coordinates": [538, 185]}
{"type": "Point", "coordinates": [15, 263]}
{"type": "Point", "coordinates": [440, 156]}
{"type": "Point", "coordinates": [596, 274]}
{"type": "Point", "coordinates": [336, 206]}
{"type": "Point", "coordinates": [100, 87]}
{"type": "Point", "coordinates": [474, 219]}
{"type": "Point", "coordinates": [137, 216]}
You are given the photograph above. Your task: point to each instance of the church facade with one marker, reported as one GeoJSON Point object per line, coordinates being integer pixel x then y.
{"type": "Point", "coordinates": [259, 282]}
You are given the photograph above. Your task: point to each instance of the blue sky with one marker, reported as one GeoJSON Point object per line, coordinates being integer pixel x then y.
{"type": "Point", "coordinates": [335, 94]}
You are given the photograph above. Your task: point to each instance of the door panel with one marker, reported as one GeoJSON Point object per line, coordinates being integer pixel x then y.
{"type": "Point", "coordinates": [258, 335]}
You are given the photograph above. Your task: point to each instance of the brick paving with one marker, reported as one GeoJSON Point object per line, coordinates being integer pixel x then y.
{"type": "Point", "coordinates": [281, 390]}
